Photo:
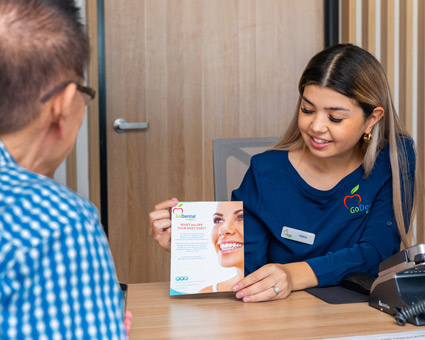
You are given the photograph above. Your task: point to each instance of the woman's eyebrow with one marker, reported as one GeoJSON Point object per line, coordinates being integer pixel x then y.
{"type": "Point", "coordinates": [331, 108]}
{"type": "Point", "coordinates": [336, 108]}
{"type": "Point", "coordinates": [237, 211]}
{"type": "Point", "coordinates": [304, 98]}
{"type": "Point", "coordinates": [217, 214]}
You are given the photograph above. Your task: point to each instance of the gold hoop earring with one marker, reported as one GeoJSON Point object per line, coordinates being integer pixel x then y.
{"type": "Point", "coordinates": [367, 137]}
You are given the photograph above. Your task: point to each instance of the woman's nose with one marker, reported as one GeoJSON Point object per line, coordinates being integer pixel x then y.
{"type": "Point", "coordinates": [226, 228]}
{"type": "Point", "coordinates": [318, 123]}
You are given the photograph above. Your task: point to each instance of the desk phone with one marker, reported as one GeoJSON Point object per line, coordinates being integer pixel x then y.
{"type": "Point", "coordinates": [399, 289]}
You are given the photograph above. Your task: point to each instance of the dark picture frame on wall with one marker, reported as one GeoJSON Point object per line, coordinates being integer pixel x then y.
{"type": "Point", "coordinates": [331, 22]}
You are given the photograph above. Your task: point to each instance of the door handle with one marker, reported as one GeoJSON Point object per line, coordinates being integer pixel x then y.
{"type": "Point", "coordinates": [120, 125]}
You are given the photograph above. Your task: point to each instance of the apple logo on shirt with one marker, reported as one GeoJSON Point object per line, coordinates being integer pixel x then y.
{"type": "Point", "coordinates": [353, 198]}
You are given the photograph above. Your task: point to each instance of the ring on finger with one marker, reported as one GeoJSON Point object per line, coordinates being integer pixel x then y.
{"type": "Point", "coordinates": [276, 289]}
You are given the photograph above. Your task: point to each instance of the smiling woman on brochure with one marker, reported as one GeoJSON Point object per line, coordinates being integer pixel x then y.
{"type": "Point", "coordinates": [227, 238]}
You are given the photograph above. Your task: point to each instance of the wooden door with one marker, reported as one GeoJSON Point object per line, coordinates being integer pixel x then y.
{"type": "Point", "coordinates": [195, 70]}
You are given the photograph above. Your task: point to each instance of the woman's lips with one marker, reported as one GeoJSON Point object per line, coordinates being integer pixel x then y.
{"type": "Point", "coordinates": [319, 143]}
{"type": "Point", "coordinates": [229, 247]}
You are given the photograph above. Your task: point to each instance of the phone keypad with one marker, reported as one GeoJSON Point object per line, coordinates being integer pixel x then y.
{"type": "Point", "coordinates": [418, 270]}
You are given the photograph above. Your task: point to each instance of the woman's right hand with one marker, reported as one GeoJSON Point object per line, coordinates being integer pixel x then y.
{"type": "Point", "coordinates": [160, 223]}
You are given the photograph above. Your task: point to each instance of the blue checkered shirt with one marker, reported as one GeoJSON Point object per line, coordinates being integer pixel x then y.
{"type": "Point", "coordinates": [57, 276]}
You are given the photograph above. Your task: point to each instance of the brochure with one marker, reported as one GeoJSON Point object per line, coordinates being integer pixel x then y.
{"type": "Point", "coordinates": [207, 247]}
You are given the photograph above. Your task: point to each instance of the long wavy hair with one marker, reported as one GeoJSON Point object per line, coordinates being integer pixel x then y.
{"type": "Point", "coordinates": [357, 74]}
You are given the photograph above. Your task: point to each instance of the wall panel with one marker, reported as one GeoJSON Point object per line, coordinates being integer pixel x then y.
{"type": "Point", "coordinates": [394, 31]}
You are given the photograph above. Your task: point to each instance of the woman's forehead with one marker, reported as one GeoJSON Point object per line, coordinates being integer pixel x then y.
{"type": "Point", "coordinates": [327, 97]}
{"type": "Point", "coordinates": [229, 206]}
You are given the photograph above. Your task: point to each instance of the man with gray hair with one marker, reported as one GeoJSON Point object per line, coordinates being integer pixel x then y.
{"type": "Point", "coordinates": [57, 276]}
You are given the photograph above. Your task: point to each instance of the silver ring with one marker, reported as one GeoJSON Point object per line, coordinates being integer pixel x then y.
{"type": "Point", "coordinates": [276, 289]}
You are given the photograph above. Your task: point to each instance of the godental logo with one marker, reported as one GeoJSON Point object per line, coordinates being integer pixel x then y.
{"type": "Point", "coordinates": [286, 231]}
{"type": "Point", "coordinates": [353, 202]}
{"type": "Point", "coordinates": [182, 278]}
{"type": "Point", "coordinates": [178, 209]}
{"type": "Point", "coordinates": [178, 213]}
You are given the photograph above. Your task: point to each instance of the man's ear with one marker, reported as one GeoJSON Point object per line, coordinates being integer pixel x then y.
{"type": "Point", "coordinates": [374, 118]}
{"type": "Point", "coordinates": [61, 108]}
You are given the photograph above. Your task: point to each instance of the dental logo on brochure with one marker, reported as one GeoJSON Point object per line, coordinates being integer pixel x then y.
{"type": "Point", "coordinates": [353, 202]}
{"type": "Point", "coordinates": [178, 212]}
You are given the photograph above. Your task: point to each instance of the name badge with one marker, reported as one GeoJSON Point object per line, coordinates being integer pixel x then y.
{"type": "Point", "coordinates": [297, 235]}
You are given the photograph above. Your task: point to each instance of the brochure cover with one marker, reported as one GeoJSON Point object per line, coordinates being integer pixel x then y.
{"type": "Point", "coordinates": [207, 247]}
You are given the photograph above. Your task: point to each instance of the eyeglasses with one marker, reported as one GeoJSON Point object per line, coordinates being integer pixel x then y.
{"type": "Point", "coordinates": [88, 92]}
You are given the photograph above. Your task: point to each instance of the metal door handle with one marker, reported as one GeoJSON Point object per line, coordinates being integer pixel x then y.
{"type": "Point", "coordinates": [120, 125]}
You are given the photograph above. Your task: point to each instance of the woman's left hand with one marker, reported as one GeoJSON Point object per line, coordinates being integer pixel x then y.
{"type": "Point", "coordinates": [275, 281]}
{"type": "Point", "coordinates": [270, 282]}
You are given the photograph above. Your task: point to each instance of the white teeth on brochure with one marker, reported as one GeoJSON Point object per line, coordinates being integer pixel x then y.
{"type": "Point", "coordinates": [227, 246]}
{"type": "Point", "coordinates": [320, 141]}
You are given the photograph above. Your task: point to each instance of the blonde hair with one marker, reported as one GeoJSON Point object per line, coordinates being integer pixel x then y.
{"type": "Point", "coordinates": [357, 74]}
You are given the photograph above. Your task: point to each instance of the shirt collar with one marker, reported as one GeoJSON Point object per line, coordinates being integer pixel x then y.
{"type": "Point", "coordinates": [5, 156]}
